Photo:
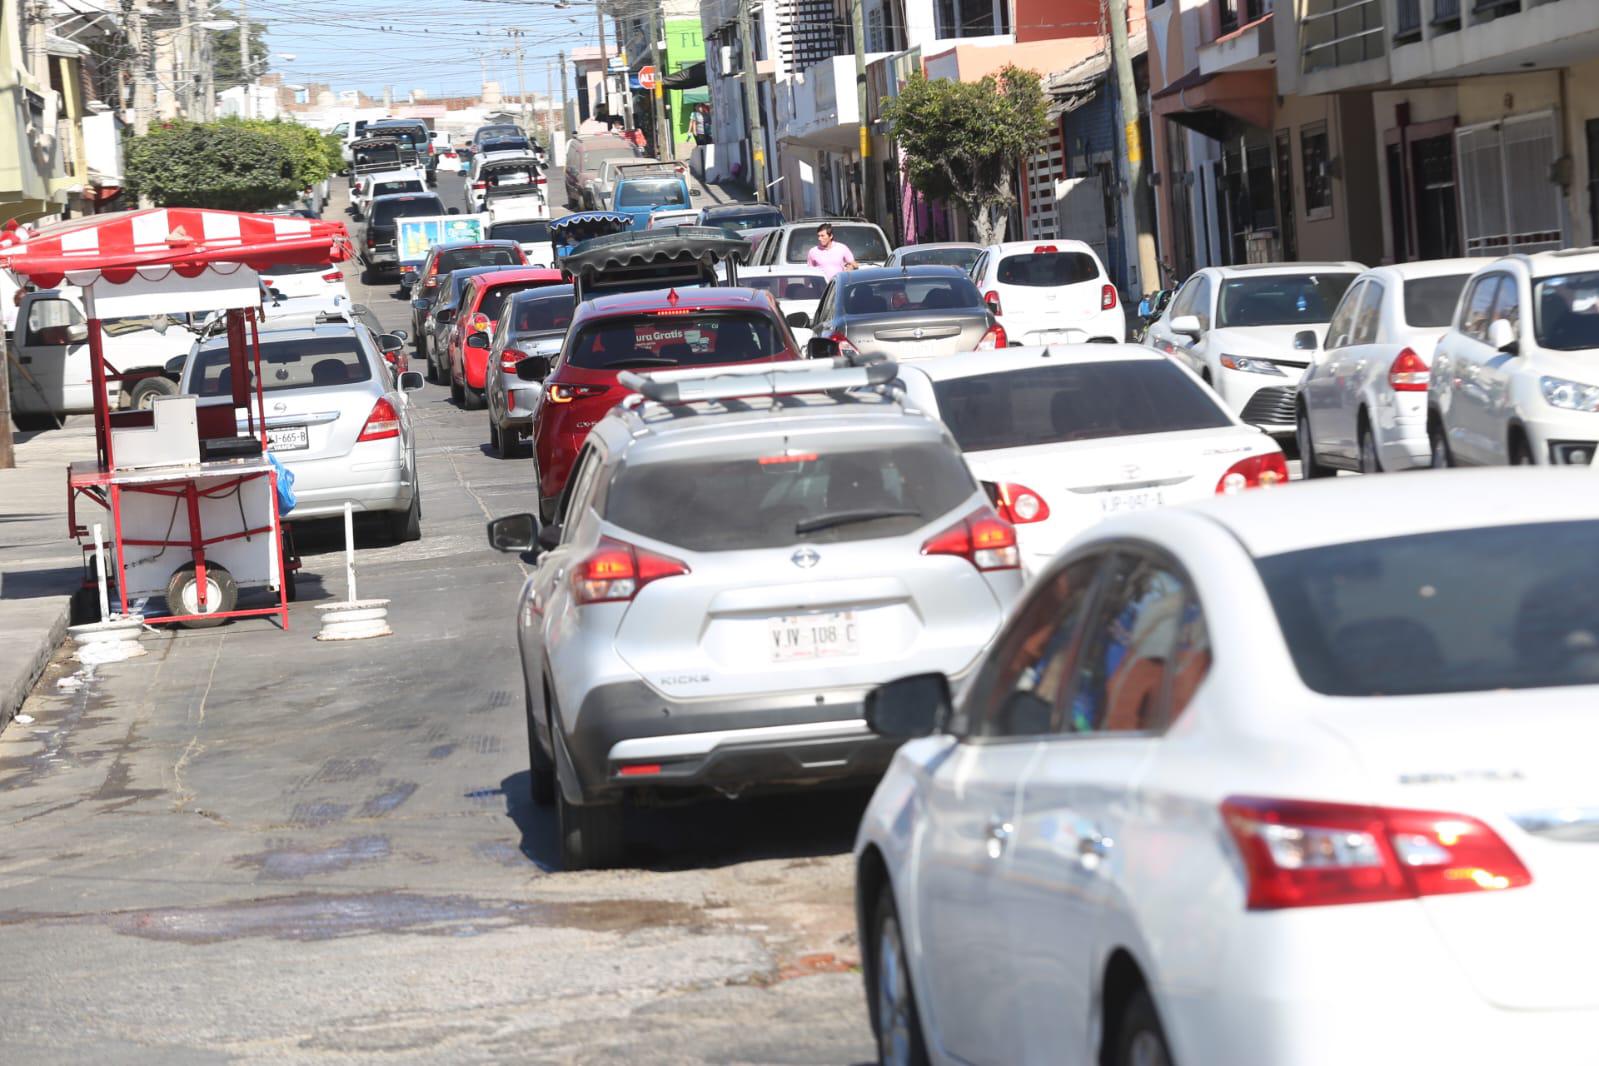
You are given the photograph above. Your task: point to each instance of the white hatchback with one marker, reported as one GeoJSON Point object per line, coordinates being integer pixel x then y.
{"type": "Point", "coordinates": [1049, 292]}
{"type": "Point", "coordinates": [1363, 401]}
{"type": "Point", "coordinates": [1066, 436]}
{"type": "Point", "coordinates": [1302, 777]}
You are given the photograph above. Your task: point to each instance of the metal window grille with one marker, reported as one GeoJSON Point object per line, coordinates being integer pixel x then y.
{"type": "Point", "coordinates": [1407, 18]}
{"type": "Point", "coordinates": [1335, 33]}
{"type": "Point", "coordinates": [807, 33]}
{"type": "Point", "coordinates": [1043, 170]}
{"type": "Point", "coordinates": [1507, 202]}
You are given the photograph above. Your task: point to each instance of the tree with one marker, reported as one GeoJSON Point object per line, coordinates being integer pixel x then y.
{"type": "Point", "coordinates": [224, 165]}
{"type": "Point", "coordinates": [314, 156]}
{"type": "Point", "coordinates": [963, 140]}
{"type": "Point", "coordinates": [226, 70]}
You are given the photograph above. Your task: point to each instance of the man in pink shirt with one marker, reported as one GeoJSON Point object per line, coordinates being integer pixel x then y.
{"type": "Point", "coordinates": [829, 256]}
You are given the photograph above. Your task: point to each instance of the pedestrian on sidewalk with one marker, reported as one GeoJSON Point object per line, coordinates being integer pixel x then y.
{"type": "Point", "coordinates": [699, 123]}
{"type": "Point", "coordinates": [829, 256]}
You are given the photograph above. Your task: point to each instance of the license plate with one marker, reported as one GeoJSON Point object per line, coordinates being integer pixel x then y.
{"type": "Point", "coordinates": [1115, 502]}
{"type": "Point", "coordinates": [1062, 336]}
{"type": "Point", "coordinates": [287, 438]}
{"type": "Point", "coordinates": [827, 635]}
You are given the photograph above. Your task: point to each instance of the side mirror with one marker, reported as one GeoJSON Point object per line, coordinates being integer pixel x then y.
{"type": "Point", "coordinates": [419, 304]}
{"type": "Point", "coordinates": [1187, 325]}
{"type": "Point", "coordinates": [410, 381]}
{"type": "Point", "coordinates": [514, 533]}
{"type": "Point", "coordinates": [447, 315]}
{"type": "Point", "coordinates": [390, 342]}
{"type": "Point", "coordinates": [798, 320]}
{"type": "Point", "coordinates": [404, 335]}
{"type": "Point", "coordinates": [915, 706]}
{"type": "Point", "coordinates": [1305, 340]}
{"type": "Point", "coordinates": [533, 368]}
{"type": "Point", "coordinates": [1502, 336]}
{"type": "Point", "coordinates": [478, 340]}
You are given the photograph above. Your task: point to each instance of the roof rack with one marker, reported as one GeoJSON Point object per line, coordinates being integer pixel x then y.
{"type": "Point", "coordinates": [760, 379]}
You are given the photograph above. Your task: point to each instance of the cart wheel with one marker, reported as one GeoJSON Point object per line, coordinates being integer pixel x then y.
{"type": "Point", "coordinates": [183, 594]}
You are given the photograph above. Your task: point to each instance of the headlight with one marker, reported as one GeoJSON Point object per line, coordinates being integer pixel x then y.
{"type": "Point", "coordinates": [1250, 366]}
{"type": "Point", "coordinates": [1570, 395]}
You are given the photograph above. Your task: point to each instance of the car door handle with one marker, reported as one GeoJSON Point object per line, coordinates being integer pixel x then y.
{"type": "Point", "coordinates": [25, 359]}
{"type": "Point", "coordinates": [998, 836]}
{"type": "Point", "coordinates": [1092, 846]}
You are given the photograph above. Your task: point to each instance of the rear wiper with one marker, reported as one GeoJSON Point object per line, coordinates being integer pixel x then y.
{"type": "Point", "coordinates": [846, 518]}
{"type": "Point", "coordinates": [641, 361]}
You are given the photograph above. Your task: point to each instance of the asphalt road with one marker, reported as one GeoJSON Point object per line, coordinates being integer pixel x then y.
{"type": "Point", "coordinates": [249, 845]}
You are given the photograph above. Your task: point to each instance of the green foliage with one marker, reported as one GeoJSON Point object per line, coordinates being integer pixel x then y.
{"type": "Point", "coordinates": [225, 68]}
{"type": "Point", "coordinates": [223, 165]}
{"type": "Point", "coordinates": [314, 156]}
{"type": "Point", "coordinates": [962, 140]}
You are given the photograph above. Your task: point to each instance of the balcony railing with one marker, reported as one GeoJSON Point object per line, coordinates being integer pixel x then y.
{"type": "Point", "coordinates": [1407, 20]}
{"type": "Point", "coordinates": [1341, 33]}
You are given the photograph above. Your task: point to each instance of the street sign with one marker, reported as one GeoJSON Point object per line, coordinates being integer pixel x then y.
{"type": "Point", "coordinates": [646, 77]}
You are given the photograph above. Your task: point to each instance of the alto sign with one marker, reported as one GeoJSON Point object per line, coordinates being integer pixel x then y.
{"type": "Point", "coordinates": [646, 77]}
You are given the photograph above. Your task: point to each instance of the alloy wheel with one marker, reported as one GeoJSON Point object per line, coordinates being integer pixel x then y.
{"type": "Point", "coordinates": [894, 1005]}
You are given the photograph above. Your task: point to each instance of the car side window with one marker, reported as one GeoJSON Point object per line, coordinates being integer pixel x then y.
{"type": "Point", "coordinates": [1201, 308]}
{"type": "Point", "coordinates": [824, 310]}
{"type": "Point", "coordinates": [1368, 317]}
{"type": "Point", "coordinates": [1021, 684]}
{"type": "Point", "coordinates": [49, 320]}
{"type": "Point", "coordinates": [1128, 650]}
{"type": "Point", "coordinates": [578, 487]}
{"type": "Point", "coordinates": [1343, 319]}
{"type": "Point", "coordinates": [1191, 663]}
{"type": "Point", "coordinates": [1184, 300]}
{"type": "Point", "coordinates": [1507, 305]}
{"type": "Point", "coordinates": [1478, 306]}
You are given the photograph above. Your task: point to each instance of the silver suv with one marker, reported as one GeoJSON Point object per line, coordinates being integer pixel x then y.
{"type": "Point", "coordinates": [739, 556]}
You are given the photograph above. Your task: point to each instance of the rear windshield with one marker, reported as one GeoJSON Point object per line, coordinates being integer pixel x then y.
{"type": "Point", "coordinates": [1566, 311]}
{"type": "Point", "coordinates": [466, 258]}
{"type": "Point", "coordinates": [864, 243]}
{"type": "Point", "coordinates": [1280, 299]}
{"type": "Point", "coordinates": [1076, 401]}
{"type": "Point", "coordinates": [382, 153]}
{"type": "Point", "coordinates": [1430, 302]}
{"type": "Point", "coordinates": [494, 132]}
{"type": "Point", "coordinates": [953, 257]}
{"type": "Point", "coordinates": [543, 315]}
{"type": "Point", "coordinates": [1410, 615]}
{"type": "Point", "coordinates": [788, 286]}
{"type": "Point", "coordinates": [910, 294]}
{"type": "Point", "coordinates": [389, 188]}
{"type": "Point", "coordinates": [387, 211]}
{"type": "Point", "coordinates": [522, 232]}
{"type": "Point", "coordinates": [1046, 270]}
{"type": "Point", "coordinates": [308, 362]}
{"type": "Point", "coordinates": [287, 269]}
{"type": "Point", "coordinates": [781, 499]}
{"type": "Point", "coordinates": [642, 342]}
{"type": "Point", "coordinates": [735, 225]}
{"type": "Point", "coordinates": [651, 192]}
{"type": "Point", "coordinates": [510, 144]}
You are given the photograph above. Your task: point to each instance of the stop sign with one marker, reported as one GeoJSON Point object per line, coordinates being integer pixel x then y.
{"type": "Point", "coordinates": [646, 77]}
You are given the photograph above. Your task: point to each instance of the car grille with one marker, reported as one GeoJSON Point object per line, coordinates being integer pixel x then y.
{"type": "Point", "coordinates": [1272, 406]}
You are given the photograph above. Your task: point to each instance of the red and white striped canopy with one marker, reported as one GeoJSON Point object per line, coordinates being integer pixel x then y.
{"type": "Point", "coordinates": [185, 239]}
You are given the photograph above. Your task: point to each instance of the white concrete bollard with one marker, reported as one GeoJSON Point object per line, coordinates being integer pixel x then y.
{"type": "Point", "coordinates": [354, 619]}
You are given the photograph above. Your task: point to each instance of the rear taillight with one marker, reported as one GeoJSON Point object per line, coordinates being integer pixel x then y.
{"type": "Point", "coordinates": [509, 358]}
{"type": "Point", "coordinates": [1015, 503]}
{"type": "Point", "coordinates": [333, 275]}
{"type": "Point", "coordinates": [568, 393]}
{"type": "Point", "coordinates": [1107, 298]}
{"type": "Point", "coordinates": [617, 570]}
{"type": "Point", "coordinates": [994, 338]}
{"type": "Point", "coordinates": [267, 282]}
{"type": "Point", "coordinates": [1307, 854]}
{"type": "Point", "coordinates": [844, 345]}
{"type": "Point", "coordinates": [982, 538]}
{"type": "Point", "coordinates": [1258, 471]}
{"type": "Point", "coordinates": [480, 185]}
{"type": "Point", "coordinates": [370, 241]}
{"type": "Point", "coordinates": [1408, 373]}
{"type": "Point", "coordinates": [991, 301]}
{"type": "Point", "coordinates": [382, 423]}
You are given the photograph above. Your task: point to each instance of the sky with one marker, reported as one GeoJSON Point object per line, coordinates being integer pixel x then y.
{"type": "Point", "coordinates": [438, 46]}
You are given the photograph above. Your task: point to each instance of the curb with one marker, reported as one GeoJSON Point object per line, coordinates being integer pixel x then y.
{"type": "Point", "coordinates": [14, 691]}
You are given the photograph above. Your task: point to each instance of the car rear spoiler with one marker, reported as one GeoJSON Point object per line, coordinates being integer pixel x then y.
{"type": "Point", "coordinates": [638, 261]}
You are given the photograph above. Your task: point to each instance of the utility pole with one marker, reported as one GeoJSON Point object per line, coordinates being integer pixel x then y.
{"type": "Point", "coordinates": [663, 127]}
{"type": "Point", "coordinates": [1143, 224]}
{"type": "Point", "coordinates": [143, 84]}
{"type": "Point", "coordinates": [564, 83]}
{"type": "Point", "coordinates": [521, 81]}
{"type": "Point", "coordinates": [605, 65]}
{"type": "Point", "coordinates": [549, 107]}
{"type": "Point", "coordinates": [752, 103]}
{"type": "Point", "coordinates": [244, 57]}
{"type": "Point", "coordinates": [628, 121]}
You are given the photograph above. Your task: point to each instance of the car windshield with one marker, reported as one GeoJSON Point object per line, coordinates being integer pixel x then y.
{"type": "Point", "coordinates": [300, 363]}
{"type": "Point", "coordinates": [788, 286]}
{"type": "Point", "coordinates": [761, 500]}
{"type": "Point", "coordinates": [378, 153]}
{"type": "Point", "coordinates": [1566, 311]}
{"type": "Point", "coordinates": [1072, 402]}
{"type": "Point", "coordinates": [1430, 302]}
{"type": "Point", "coordinates": [1048, 269]}
{"type": "Point", "coordinates": [910, 293]}
{"type": "Point", "coordinates": [1410, 615]}
{"type": "Point", "coordinates": [384, 212]}
{"type": "Point", "coordinates": [542, 314]}
{"type": "Point", "coordinates": [521, 232]}
{"type": "Point", "coordinates": [651, 192]}
{"type": "Point", "coordinates": [954, 257]}
{"type": "Point", "coordinates": [864, 242]}
{"type": "Point", "coordinates": [735, 225]}
{"type": "Point", "coordinates": [642, 342]}
{"type": "Point", "coordinates": [493, 301]}
{"type": "Point", "coordinates": [389, 188]}
{"type": "Point", "coordinates": [466, 258]}
{"type": "Point", "coordinates": [1280, 299]}
{"type": "Point", "coordinates": [490, 133]}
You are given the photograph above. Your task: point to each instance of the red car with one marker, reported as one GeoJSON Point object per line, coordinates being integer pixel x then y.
{"type": "Point", "coordinates": [655, 330]}
{"type": "Point", "coordinates": [477, 313]}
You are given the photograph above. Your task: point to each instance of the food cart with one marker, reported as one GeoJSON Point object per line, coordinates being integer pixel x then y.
{"type": "Point", "coordinates": [188, 486]}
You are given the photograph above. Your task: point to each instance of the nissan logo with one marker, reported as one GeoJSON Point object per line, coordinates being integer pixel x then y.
{"type": "Point", "coordinates": [917, 332]}
{"type": "Point", "coordinates": [280, 407]}
{"type": "Point", "coordinates": [805, 558]}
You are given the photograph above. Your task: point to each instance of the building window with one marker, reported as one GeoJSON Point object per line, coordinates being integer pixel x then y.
{"type": "Point", "coordinates": [1496, 158]}
{"type": "Point", "coordinates": [1285, 193]}
{"type": "Point", "coordinates": [971, 18]}
{"type": "Point", "coordinates": [1314, 160]}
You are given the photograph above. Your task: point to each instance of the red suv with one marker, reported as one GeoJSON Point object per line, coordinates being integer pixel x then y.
{"type": "Point", "coordinates": [642, 331]}
{"type": "Point", "coordinates": [478, 311]}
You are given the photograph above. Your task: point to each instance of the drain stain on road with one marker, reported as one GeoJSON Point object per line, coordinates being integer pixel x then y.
{"type": "Point", "coordinates": [394, 793]}
{"type": "Point", "coordinates": [288, 863]}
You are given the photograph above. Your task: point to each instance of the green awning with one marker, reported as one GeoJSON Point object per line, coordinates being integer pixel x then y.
{"type": "Point", "coordinates": [696, 96]}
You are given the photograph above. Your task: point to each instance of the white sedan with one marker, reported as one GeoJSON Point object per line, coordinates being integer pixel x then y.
{"type": "Point", "coordinates": [1270, 780]}
{"type": "Point", "coordinates": [796, 287]}
{"type": "Point", "coordinates": [1068, 435]}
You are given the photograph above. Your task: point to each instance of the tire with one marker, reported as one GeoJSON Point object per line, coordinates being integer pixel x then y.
{"type": "Point", "coordinates": [145, 392]}
{"type": "Point", "coordinates": [406, 526]}
{"type": "Point", "coordinates": [472, 398]}
{"type": "Point", "coordinates": [1521, 452]}
{"type": "Point", "coordinates": [34, 423]}
{"type": "Point", "coordinates": [1307, 455]}
{"type": "Point", "coordinates": [1370, 458]}
{"type": "Point", "coordinates": [222, 594]}
{"type": "Point", "coordinates": [1442, 457]}
{"type": "Point", "coordinates": [541, 768]}
{"type": "Point", "coordinates": [1140, 1040]}
{"type": "Point", "coordinates": [422, 347]}
{"type": "Point", "coordinates": [506, 443]}
{"type": "Point", "coordinates": [891, 999]}
{"type": "Point", "coordinates": [457, 390]}
{"type": "Point", "coordinates": [591, 834]}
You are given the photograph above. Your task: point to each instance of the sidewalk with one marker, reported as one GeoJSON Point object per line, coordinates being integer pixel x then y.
{"type": "Point", "coordinates": [40, 567]}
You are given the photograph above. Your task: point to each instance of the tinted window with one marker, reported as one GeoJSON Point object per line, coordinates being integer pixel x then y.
{"type": "Point", "coordinates": [1341, 328]}
{"type": "Point", "coordinates": [645, 192]}
{"type": "Point", "coordinates": [389, 188]}
{"type": "Point", "coordinates": [1368, 316]}
{"type": "Point", "coordinates": [521, 232]}
{"type": "Point", "coordinates": [864, 242]}
{"type": "Point", "coordinates": [788, 286]}
{"type": "Point", "coordinates": [462, 258]}
{"type": "Point", "coordinates": [955, 257]}
{"type": "Point", "coordinates": [543, 314]}
{"type": "Point", "coordinates": [489, 133]}
{"type": "Point", "coordinates": [737, 224]}
{"type": "Point", "coordinates": [1048, 269]}
{"type": "Point", "coordinates": [1121, 674]}
{"type": "Point", "coordinates": [306, 362]}
{"type": "Point", "coordinates": [1083, 401]}
{"type": "Point", "coordinates": [1280, 299]}
{"type": "Point", "coordinates": [910, 293]}
{"type": "Point", "coordinates": [1474, 320]}
{"type": "Point", "coordinates": [385, 212]}
{"type": "Point", "coordinates": [1410, 615]}
{"type": "Point", "coordinates": [378, 153]}
{"type": "Point", "coordinates": [493, 301]}
{"type": "Point", "coordinates": [1430, 302]}
{"type": "Point", "coordinates": [1566, 311]}
{"type": "Point", "coordinates": [755, 502]}
{"type": "Point", "coordinates": [512, 144]}
{"type": "Point", "coordinates": [646, 341]}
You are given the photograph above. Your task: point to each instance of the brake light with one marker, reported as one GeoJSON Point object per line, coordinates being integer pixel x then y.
{"type": "Point", "coordinates": [370, 242]}
{"type": "Point", "coordinates": [1256, 472]}
{"type": "Point", "coordinates": [844, 345]}
{"type": "Point", "coordinates": [1308, 854]}
{"type": "Point", "coordinates": [1107, 298]}
{"type": "Point", "coordinates": [994, 338]}
{"type": "Point", "coordinates": [382, 423]}
{"type": "Point", "coordinates": [480, 185]}
{"type": "Point", "coordinates": [616, 571]}
{"type": "Point", "coordinates": [991, 301]}
{"type": "Point", "coordinates": [568, 393]}
{"type": "Point", "coordinates": [267, 282]}
{"type": "Point", "coordinates": [332, 275]}
{"type": "Point", "coordinates": [1408, 373]}
{"type": "Point", "coordinates": [982, 538]}
{"type": "Point", "coordinates": [1017, 504]}
{"type": "Point", "coordinates": [1045, 249]}
{"type": "Point", "coordinates": [509, 358]}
